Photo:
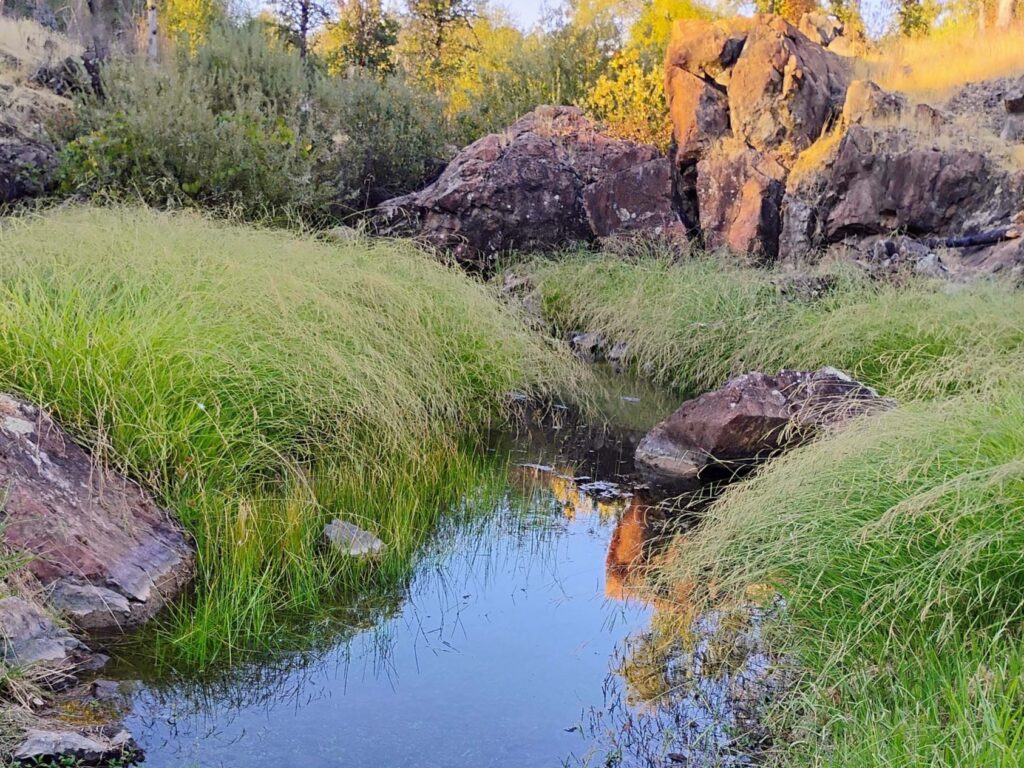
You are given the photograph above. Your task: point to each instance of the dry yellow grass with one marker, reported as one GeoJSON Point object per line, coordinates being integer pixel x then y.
{"type": "Point", "coordinates": [932, 66]}
{"type": "Point", "coordinates": [25, 44]}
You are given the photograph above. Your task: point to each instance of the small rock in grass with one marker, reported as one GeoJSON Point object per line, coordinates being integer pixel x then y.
{"type": "Point", "coordinates": [351, 540]}
{"type": "Point", "coordinates": [588, 346]}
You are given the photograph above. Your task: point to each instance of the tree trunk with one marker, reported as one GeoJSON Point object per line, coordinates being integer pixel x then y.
{"type": "Point", "coordinates": [982, 18]}
{"type": "Point", "coordinates": [99, 32]}
{"type": "Point", "coordinates": [153, 48]}
{"type": "Point", "coordinates": [304, 23]}
{"type": "Point", "coordinates": [1004, 14]}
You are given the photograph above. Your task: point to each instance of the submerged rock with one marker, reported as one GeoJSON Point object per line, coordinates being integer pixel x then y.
{"type": "Point", "coordinates": [44, 747]}
{"type": "Point", "coordinates": [351, 540]}
{"type": "Point", "coordinates": [751, 418]}
{"type": "Point", "coordinates": [107, 556]}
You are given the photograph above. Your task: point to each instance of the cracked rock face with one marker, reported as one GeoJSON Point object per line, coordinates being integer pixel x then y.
{"type": "Point", "coordinates": [752, 417]}
{"type": "Point", "coordinates": [106, 555]}
{"type": "Point", "coordinates": [549, 180]}
{"type": "Point", "coordinates": [746, 96]}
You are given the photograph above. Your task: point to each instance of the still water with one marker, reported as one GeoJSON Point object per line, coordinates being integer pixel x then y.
{"type": "Point", "coordinates": [498, 655]}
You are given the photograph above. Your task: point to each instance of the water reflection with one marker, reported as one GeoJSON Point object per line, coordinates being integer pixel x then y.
{"type": "Point", "coordinates": [492, 656]}
{"type": "Point", "coordinates": [526, 637]}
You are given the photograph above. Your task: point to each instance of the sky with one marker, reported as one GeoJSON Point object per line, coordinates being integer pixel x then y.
{"type": "Point", "coordinates": [526, 12]}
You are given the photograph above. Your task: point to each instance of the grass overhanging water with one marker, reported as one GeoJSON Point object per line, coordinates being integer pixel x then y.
{"type": "Point", "coordinates": [262, 383]}
{"type": "Point", "coordinates": [895, 543]}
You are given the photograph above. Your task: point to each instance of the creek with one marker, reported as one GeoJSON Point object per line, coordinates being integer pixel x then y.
{"type": "Point", "coordinates": [509, 648]}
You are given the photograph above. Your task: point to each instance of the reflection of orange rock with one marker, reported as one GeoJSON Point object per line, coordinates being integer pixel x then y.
{"type": "Point", "coordinates": [627, 558]}
{"type": "Point", "coordinates": [575, 503]}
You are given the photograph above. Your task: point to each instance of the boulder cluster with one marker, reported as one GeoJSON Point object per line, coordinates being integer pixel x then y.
{"type": "Point", "coordinates": [778, 152]}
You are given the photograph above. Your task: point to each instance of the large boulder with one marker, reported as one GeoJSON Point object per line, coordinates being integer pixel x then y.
{"type": "Point", "coordinates": [781, 89]}
{"type": "Point", "coordinates": [549, 180]}
{"type": "Point", "coordinates": [751, 418]}
{"type": "Point", "coordinates": [784, 90]}
{"type": "Point", "coordinates": [104, 553]}
{"type": "Point", "coordinates": [28, 157]}
{"type": "Point", "coordinates": [746, 96]}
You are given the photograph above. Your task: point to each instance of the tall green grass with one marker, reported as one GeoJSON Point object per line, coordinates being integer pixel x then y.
{"type": "Point", "coordinates": [691, 324]}
{"type": "Point", "coordinates": [897, 543]}
{"type": "Point", "coordinates": [898, 546]}
{"type": "Point", "coordinates": [262, 383]}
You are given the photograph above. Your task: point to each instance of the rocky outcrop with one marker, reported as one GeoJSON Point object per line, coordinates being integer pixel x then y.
{"type": "Point", "coordinates": [551, 179]}
{"type": "Point", "coordinates": [882, 174]}
{"type": "Point", "coordinates": [746, 96]}
{"type": "Point", "coordinates": [780, 154]}
{"type": "Point", "coordinates": [28, 157]}
{"type": "Point", "coordinates": [752, 417]}
{"type": "Point", "coordinates": [103, 553]}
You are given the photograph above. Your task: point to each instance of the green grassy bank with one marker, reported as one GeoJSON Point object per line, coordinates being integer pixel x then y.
{"type": "Point", "coordinates": [898, 543]}
{"type": "Point", "coordinates": [262, 383]}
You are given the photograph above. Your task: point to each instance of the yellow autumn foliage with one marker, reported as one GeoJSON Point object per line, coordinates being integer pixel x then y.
{"type": "Point", "coordinates": [630, 101]}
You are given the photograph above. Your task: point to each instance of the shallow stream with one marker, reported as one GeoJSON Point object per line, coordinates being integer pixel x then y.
{"type": "Point", "coordinates": [506, 651]}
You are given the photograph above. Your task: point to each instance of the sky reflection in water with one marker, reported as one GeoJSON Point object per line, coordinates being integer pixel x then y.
{"type": "Point", "coordinates": [495, 658]}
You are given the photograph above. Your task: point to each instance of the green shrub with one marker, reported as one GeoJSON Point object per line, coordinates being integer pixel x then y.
{"type": "Point", "coordinates": [242, 126]}
{"type": "Point", "coordinates": [386, 138]}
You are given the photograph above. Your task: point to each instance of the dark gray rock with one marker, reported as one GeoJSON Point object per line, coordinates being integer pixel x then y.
{"type": "Point", "coordinates": [31, 640]}
{"type": "Point", "coordinates": [42, 747]}
{"type": "Point", "coordinates": [550, 180]}
{"type": "Point", "coordinates": [751, 418]}
{"type": "Point", "coordinates": [26, 170]}
{"type": "Point", "coordinates": [30, 636]}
